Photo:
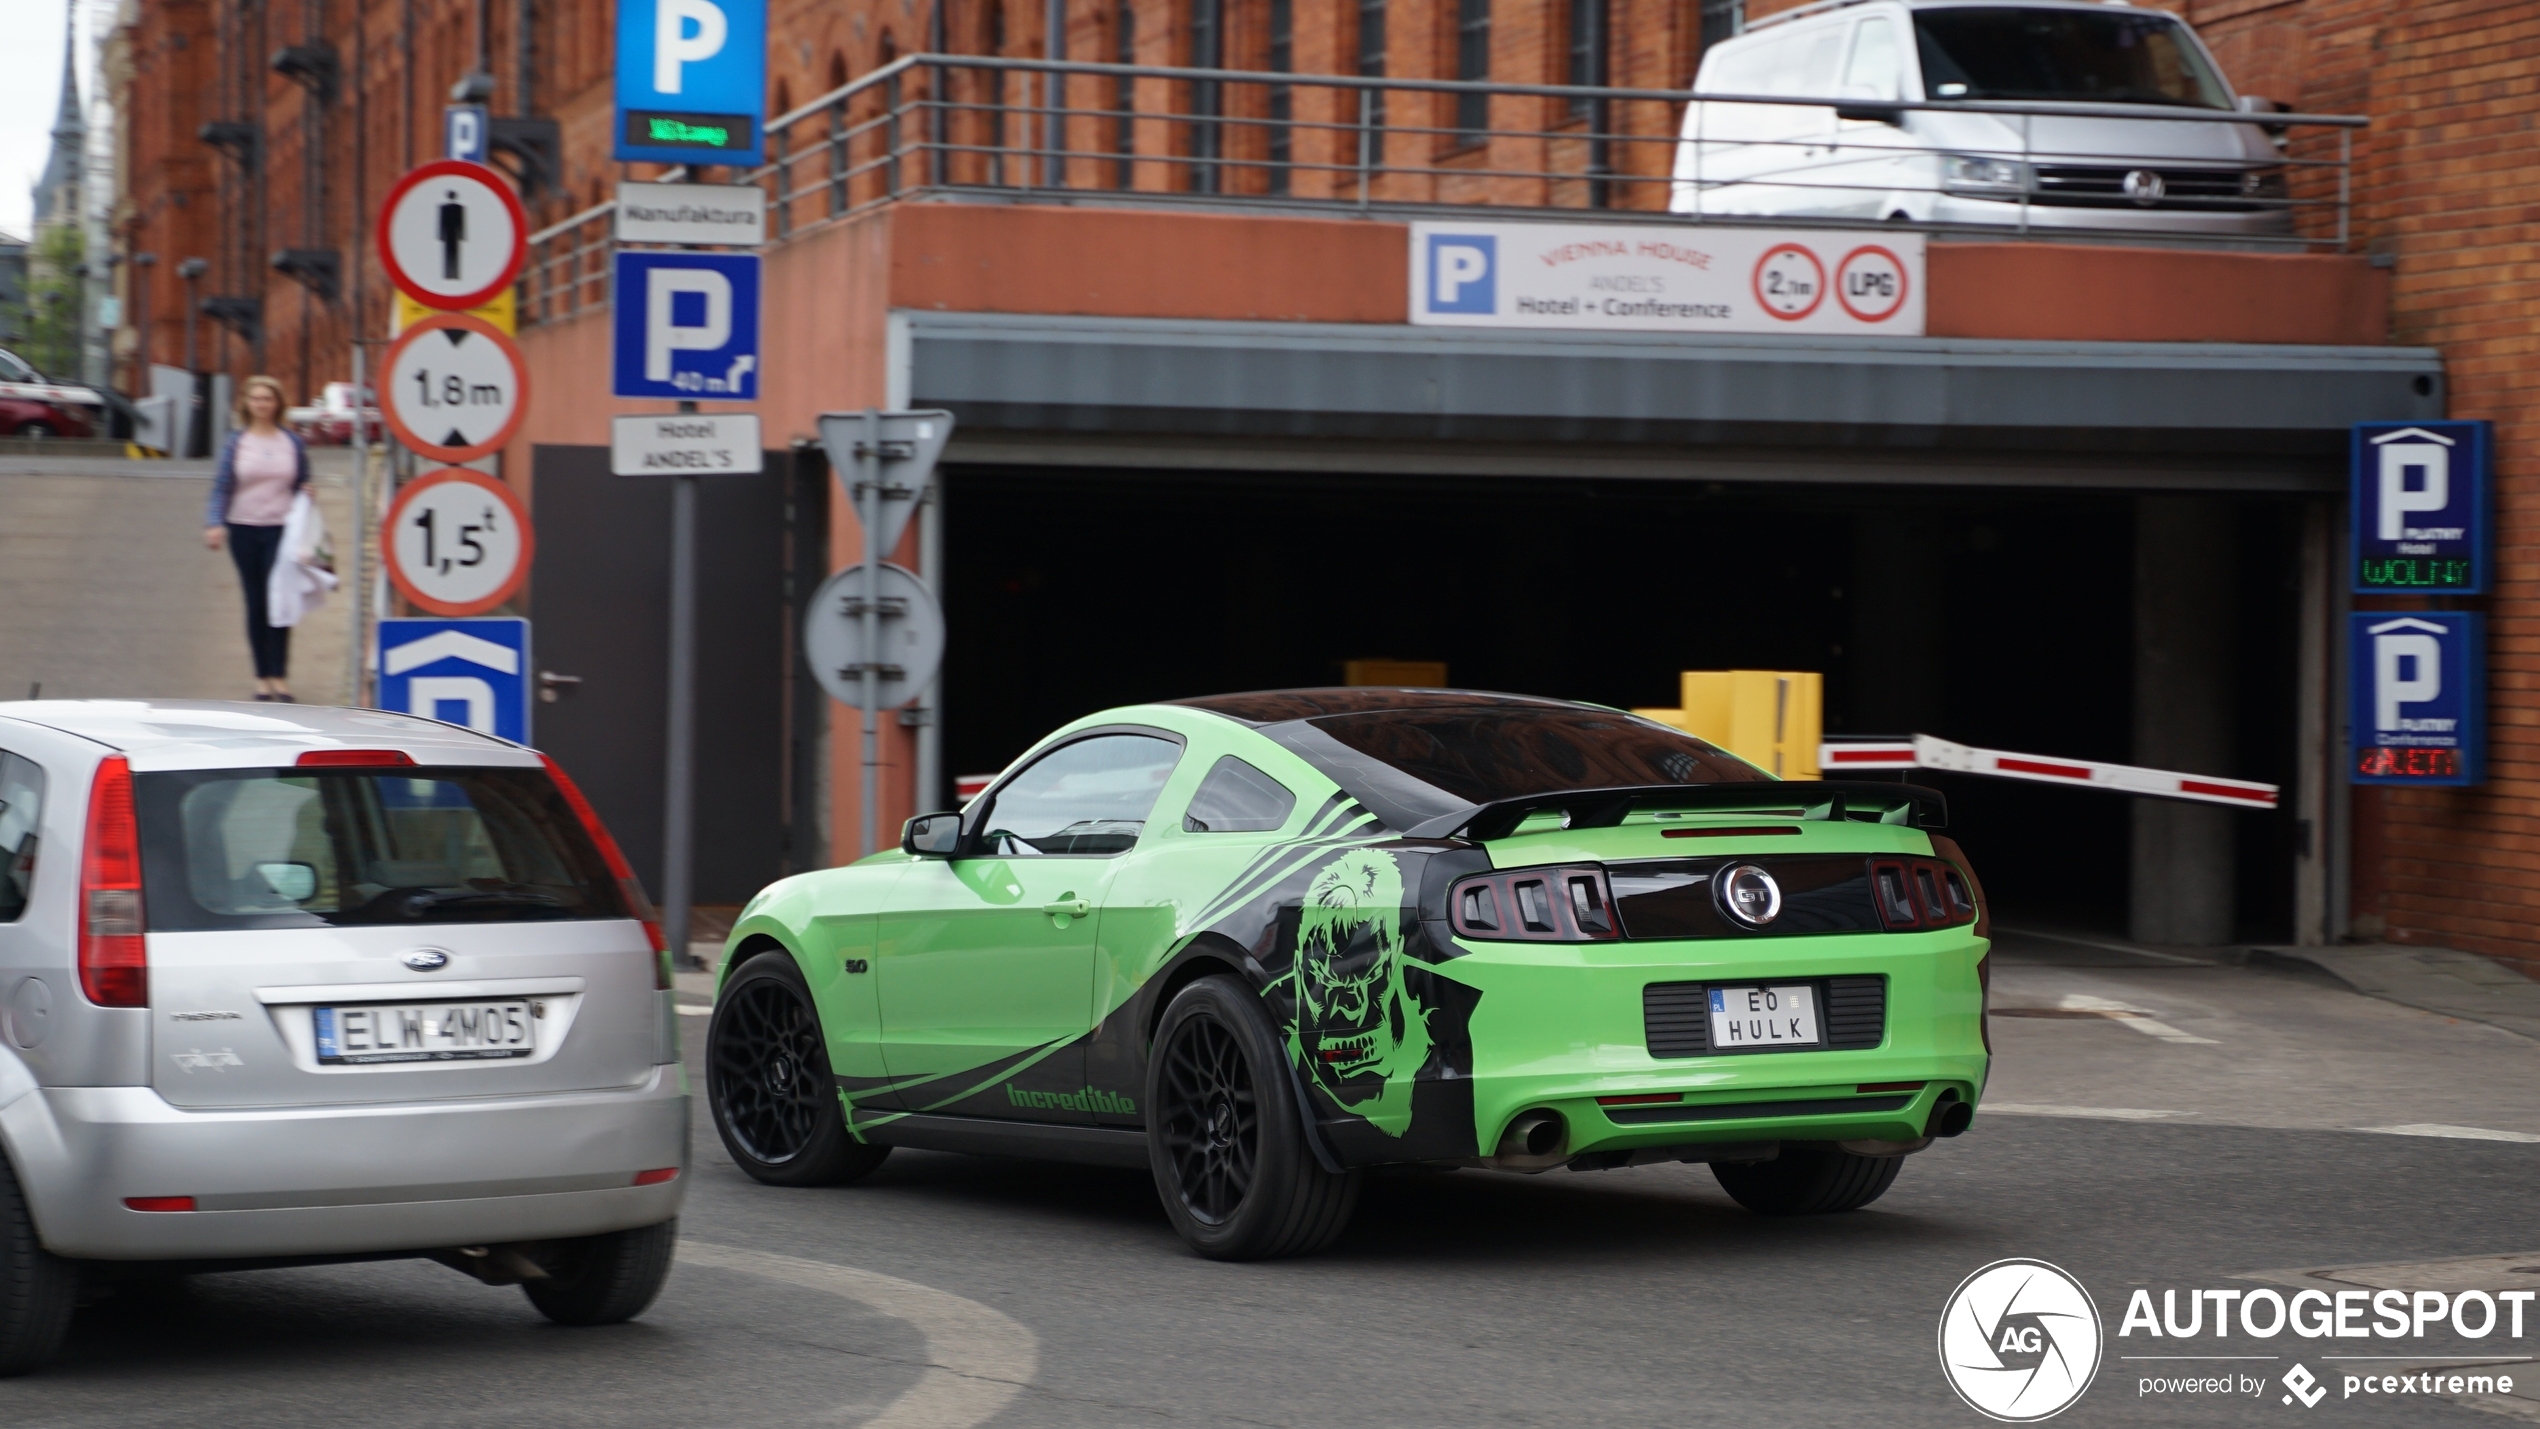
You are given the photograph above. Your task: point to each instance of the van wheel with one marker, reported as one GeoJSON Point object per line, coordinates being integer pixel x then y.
{"type": "Point", "coordinates": [1224, 1136]}
{"type": "Point", "coordinates": [1809, 1178]}
{"type": "Point", "coordinates": [38, 1289]}
{"type": "Point", "coordinates": [604, 1279]}
{"type": "Point", "coordinates": [767, 1079]}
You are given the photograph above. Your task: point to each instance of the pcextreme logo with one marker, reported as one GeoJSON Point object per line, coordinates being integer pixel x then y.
{"type": "Point", "coordinates": [2019, 1341]}
{"type": "Point", "coordinates": [1090, 1099]}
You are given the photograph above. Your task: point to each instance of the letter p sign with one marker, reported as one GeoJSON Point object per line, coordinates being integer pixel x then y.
{"type": "Point", "coordinates": [1462, 273]}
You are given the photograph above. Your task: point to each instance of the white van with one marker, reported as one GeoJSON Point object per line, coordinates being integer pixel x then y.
{"type": "Point", "coordinates": [2167, 171]}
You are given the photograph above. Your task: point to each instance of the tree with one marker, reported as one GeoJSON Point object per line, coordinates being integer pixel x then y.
{"type": "Point", "coordinates": [53, 300]}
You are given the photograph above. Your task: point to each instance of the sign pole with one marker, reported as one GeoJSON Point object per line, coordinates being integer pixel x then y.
{"type": "Point", "coordinates": [678, 824]}
{"type": "Point", "coordinates": [868, 463]}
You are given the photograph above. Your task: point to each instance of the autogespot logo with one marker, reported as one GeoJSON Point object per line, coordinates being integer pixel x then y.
{"type": "Point", "coordinates": [2019, 1341]}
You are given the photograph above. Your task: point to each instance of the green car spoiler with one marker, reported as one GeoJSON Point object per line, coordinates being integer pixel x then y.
{"type": "Point", "coordinates": [1829, 799]}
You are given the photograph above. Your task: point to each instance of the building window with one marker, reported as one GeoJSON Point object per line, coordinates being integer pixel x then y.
{"type": "Point", "coordinates": [1371, 65]}
{"type": "Point", "coordinates": [1124, 96]}
{"type": "Point", "coordinates": [1282, 105]}
{"type": "Point", "coordinates": [1721, 19]}
{"type": "Point", "coordinates": [1208, 96]}
{"type": "Point", "coordinates": [1472, 62]}
{"type": "Point", "coordinates": [1587, 51]}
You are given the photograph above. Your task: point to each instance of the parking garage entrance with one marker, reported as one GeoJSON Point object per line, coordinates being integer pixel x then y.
{"type": "Point", "coordinates": [2005, 617]}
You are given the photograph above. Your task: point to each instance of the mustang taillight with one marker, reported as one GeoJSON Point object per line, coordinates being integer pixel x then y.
{"type": "Point", "coordinates": [114, 959]}
{"type": "Point", "coordinates": [628, 886]}
{"type": "Point", "coordinates": [1920, 893]}
{"type": "Point", "coordinates": [1536, 905]}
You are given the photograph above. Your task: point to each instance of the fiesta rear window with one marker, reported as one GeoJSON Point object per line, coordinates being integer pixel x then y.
{"type": "Point", "coordinates": [290, 848]}
{"type": "Point", "coordinates": [1432, 761]}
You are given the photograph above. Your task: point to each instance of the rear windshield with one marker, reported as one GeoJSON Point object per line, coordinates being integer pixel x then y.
{"type": "Point", "coordinates": [287, 848]}
{"type": "Point", "coordinates": [2116, 58]}
{"type": "Point", "coordinates": [1410, 765]}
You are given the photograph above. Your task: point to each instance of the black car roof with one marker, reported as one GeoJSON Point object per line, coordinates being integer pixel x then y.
{"type": "Point", "coordinates": [1260, 707]}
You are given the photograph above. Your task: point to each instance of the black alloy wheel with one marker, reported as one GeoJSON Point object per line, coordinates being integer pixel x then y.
{"type": "Point", "coordinates": [1210, 1124]}
{"type": "Point", "coordinates": [1226, 1137]}
{"type": "Point", "coordinates": [38, 1290]}
{"type": "Point", "coordinates": [767, 1079]}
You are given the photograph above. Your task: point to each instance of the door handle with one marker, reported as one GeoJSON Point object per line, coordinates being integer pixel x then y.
{"type": "Point", "coordinates": [1069, 908]}
{"type": "Point", "coordinates": [552, 685]}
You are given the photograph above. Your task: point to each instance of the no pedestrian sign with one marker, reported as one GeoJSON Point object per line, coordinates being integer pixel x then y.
{"type": "Point", "coordinates": [1648, 279]}
{"type": "Point", "coordinates": [452, 234]}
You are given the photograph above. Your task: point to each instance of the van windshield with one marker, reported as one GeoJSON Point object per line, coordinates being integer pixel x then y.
{"type": "Point", "coordinates": [292, 848]}
{"type": "Point", "coordinates": [2078, 55]}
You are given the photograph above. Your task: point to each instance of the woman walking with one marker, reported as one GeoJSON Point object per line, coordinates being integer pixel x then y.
{"type": "Point", "coordinates": [261, 468]}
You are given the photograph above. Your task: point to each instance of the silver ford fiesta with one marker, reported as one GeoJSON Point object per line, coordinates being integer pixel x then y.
{"type": "Point", "coordinates": [285, 985]}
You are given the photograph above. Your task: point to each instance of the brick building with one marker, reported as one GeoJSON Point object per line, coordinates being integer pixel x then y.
{"type": "Point", "coordinates": [2438, 259]}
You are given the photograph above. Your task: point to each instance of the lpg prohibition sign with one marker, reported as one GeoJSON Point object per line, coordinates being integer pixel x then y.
{"type": "Point", "coordinates": [457, 388]}
{"type": "Point", "coordinates": [458, 542]}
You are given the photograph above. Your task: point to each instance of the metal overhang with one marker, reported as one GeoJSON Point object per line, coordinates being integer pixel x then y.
{"type": "Point", "coordinates": [1080, 391]}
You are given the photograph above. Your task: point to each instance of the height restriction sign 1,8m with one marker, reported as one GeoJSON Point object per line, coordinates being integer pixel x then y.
{"type": "Point", "coordinates": [458, 542]}
{"type": "Point", "coordinates": [456, 388]}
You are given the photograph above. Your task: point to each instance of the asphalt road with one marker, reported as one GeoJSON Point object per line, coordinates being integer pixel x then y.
{"type": "Point", "coordinates": [949, 1291]}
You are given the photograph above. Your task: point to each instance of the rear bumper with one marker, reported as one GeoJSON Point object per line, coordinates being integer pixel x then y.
{"type": "Point", "coordinates": [1561, 1025]}
{"type": "Point", "coordinates": [343, 1180]}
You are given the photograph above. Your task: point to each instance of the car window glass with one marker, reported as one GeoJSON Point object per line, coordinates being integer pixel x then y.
{"type": "Point", "coordinates": [1092, 796]}
{"type": "Point", "coordinates": [1876, 69]}
{"type": "Point", "coordinates": [13, 369]}
{"type": "Point", "coordinates": [21, 818]}
{"type": "Point", "coordinates": [2020, 54]}
{"type": "Point", "coordinates": [262, 848]}
{"type": "Point", "coordinates": [1236, 798]}
{"type": "Point", "coordinates": [1814, 75]}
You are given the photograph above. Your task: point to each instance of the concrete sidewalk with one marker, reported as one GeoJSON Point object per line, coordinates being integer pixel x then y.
{"type": "Point", "coordinates": [112, 594]}
{"type": "Point", "coordinates": [2442, 980]}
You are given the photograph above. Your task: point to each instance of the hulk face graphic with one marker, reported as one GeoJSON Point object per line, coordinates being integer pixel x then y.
{"type": "Point", "coordinates": [1360, 1031]}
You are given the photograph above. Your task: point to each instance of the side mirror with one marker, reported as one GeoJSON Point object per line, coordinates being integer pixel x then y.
{"type": "Point", "coordinates": [931, 836]}
{"type": "Point", "coordinates": [1864, 110]}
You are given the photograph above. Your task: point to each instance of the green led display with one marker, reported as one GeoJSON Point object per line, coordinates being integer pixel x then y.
{"type": "Point", "coordinates": [2413, 573]}
{"type": "Point", "coordinates": [708, 132]}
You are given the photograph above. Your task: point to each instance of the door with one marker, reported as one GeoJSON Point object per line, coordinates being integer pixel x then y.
{"type": "Point", "coordinates": [985, 963]}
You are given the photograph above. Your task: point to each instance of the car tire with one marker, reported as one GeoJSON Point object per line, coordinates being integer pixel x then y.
{"type": "Point", "coordinates": [38, 1289]}
{"type": "Point", "coordinates": [767, 1079]}
{"type": "Point", "coordinates": [35, 429]}
{"type": "Point", "coordinates": [1809, 1178]}
{"type": "Point", "coordinates": [604, 1279]}
{"type": "Point", "coordinates": [1226, 1137]}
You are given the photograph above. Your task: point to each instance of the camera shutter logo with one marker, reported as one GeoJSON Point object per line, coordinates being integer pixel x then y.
{"type": "Point", "coordinates": [2020, 1341]}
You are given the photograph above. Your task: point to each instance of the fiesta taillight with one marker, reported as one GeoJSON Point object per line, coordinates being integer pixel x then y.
{"type": "Point", "coordinates": [629, 887]}
{"type": "Point", "coordinates": [114, 959]}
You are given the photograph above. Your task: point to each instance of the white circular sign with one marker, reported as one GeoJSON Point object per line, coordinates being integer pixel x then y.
{"type": "Point", "coordinates": [1789, 281]}
{"type": "Point", "coordinates": [912, 636]}
{"type": "Point", "coordinates": [2020, 1341]}
{"type": "Point", "coordinates": [1870, 283]}
{"type": "Point", "coordinates": [458, 542]}
{"type": "Point", "coordinates": [455, 388]}
{"type": "Point", "coordinates": [451, 234]}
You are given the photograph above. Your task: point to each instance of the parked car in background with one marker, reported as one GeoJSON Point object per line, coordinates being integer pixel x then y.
{"type": "Point", "coordinates": [34, 405]}
{"type": "Point", "coordinates": [2154, 168]}
{"type": "Point", "coordinates": [338, 418]}
{"type": "Point", "coordinates": [286, 985]}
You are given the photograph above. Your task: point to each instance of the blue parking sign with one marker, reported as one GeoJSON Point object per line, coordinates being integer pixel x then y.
{"type": "Point", "coordinates": [2421, 512]}
{"type": "Point", "coordinates": [691, 81]}
{"type": "Point", "coordinates": [686, 326]}
{"type": "Point", "coordinates": [2420, 707]}
{"type": "Point", "coordinates": [464, 672]}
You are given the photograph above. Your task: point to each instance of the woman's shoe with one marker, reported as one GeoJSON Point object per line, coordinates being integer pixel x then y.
{"type": "Point", "coordinates": [286, 699]}
{"type": "Point", "coordinates": [261, 697]}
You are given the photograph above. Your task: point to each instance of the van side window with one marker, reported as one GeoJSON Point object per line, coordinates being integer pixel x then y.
{"type": "Point", "coordinates": [1818, 75]}
{"type": "Point", "coordinates": [21, 818]}
{"type": "Point", "coordinates": [1236, 798]}
{"type": "Point", "coordinates": [1877, 67]}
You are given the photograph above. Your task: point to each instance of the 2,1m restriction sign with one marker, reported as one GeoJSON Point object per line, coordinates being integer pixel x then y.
{"type": "Point", "coordinates": [456, 388]}
{"type": "Point", "coordinates": [458, 541]}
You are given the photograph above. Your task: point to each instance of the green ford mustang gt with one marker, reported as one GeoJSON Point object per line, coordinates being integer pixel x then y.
{"type": "Point", "coordinates": [1259, 943]}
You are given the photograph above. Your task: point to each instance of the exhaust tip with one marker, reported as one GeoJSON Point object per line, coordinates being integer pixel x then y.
{"type": "Point", "coordinates": [1534, 1134]}
{"type": "Point", "coordinates": [1951, 1115]}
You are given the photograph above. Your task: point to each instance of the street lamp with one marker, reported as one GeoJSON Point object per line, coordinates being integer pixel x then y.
{"type": "Point", "coordinates": [192, 271]}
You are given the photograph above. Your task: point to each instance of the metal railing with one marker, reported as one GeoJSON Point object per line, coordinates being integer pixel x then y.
{"type": "Point", "coordinates": [1026, 130]}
